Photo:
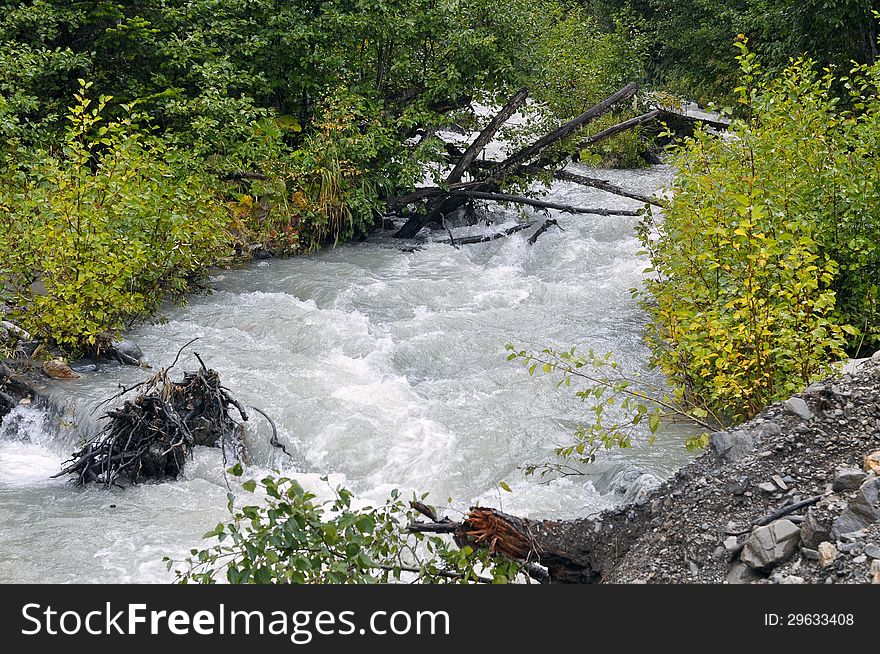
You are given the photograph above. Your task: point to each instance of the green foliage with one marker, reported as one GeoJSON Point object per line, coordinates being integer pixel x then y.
{"type": "Point", "coordinates": [282, 125]}
{"type": "Point", "coordinates": [623, 407]}
{"type": "Point", "coordinates": [290, 536]}
{"type": "Point", "coordinates": [689, 40]}
{"type": "Point", "coordinates": [766, 263]}
{"type": "Point", "coordinates": [101, 230]}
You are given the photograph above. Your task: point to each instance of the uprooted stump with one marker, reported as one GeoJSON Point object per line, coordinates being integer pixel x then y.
{"type": "Point", "coordinates": [152, 436]}
{"type": "Point", "coordinates": [573, 551]}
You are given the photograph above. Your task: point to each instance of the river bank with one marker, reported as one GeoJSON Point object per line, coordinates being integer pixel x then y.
{"type": "Point", "coordinates": [710, 522]}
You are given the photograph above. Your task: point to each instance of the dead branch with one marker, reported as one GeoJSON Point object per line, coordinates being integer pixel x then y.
{"type": "Point", "coordinates": [449, 202]}
{"type": "Point", "coordinates": [152, 436]}
{"type": "Point", "coordinates": [618, 129]}
{"type": "Point", "coordinates": [471, 240]}
{"type": "Point", "coordinates": [486, 136]}
{"type": "Point", "coordinates": [604, 185]}
{"type": "Point", "coordinates": [542, 204]}
{"type": "Point", "coordinates": [550, 222]}
{"type": "Point", "coordinates": [682, 116]}
{"type": "Point", "coordinates": [530, 152]}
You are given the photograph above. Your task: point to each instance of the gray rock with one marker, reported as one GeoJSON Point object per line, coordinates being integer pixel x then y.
{"type": "Point", "coordinates": [798, 407]}
{"type": "Point", "coordinates": [623, 479]}
{"type": "Point", "coordinates": [128, 349]}
{"type": "Point", "coordinates": [848, 479]}
{"type": "Point", "coordinates": [810, 554]}
{"type": "Point", "coordinates": [852, 366]}
{"type": "Point", "coordinates": [861, 558]}
{"type": "Point", "coordinates": [641, 490]}
{"type": "Point", "coordinates": [872, 550]}
{"type": "Point", "coordinates": [731, 446]}
{"type": "Point", "coordinates": [814, 530]}
{"type": "Point", "coordinates": [740, 573]}
{"type": "Point", "coordinates": [767, 487]}
{"type": "Point", "coordinates": [769, 430]}
{"type": "Point", "coordinates": [827, 554]}
{"type": "Point", "coordinates": [730, 543]}
{"type": "Point", "coordinates": [862, 512]}
{"type": "Point", "coordinates": [779, 481]}
{"type": "Point", "coordinates": [771, 545]}
{"type": "Point", "coordinates": [791, 579]}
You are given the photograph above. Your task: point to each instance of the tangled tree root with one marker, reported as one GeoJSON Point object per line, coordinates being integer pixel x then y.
{"type": "Point", "coordinates": [152, 436]}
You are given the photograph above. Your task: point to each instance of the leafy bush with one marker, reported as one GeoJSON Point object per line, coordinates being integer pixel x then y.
{"type": "Point", "coordinates": [103, 229]}
{"type": "Point", "coordinates": [766, 263]}
{"type": "Point", "coordinates": [292, 537]}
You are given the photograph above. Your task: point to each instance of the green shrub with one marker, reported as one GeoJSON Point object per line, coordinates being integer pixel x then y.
{"type": "Point", "coordinates": [292, 537]}
{"type": "Point", "coordinates": [766, 263]}
{"type": "Point", "coordinates": [104, 228]}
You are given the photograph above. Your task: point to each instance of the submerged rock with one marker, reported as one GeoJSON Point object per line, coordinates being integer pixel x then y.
{"type": "Point", "coordinates": [127, 351]}
{"type": "Point", "coordinates": [639, 492]}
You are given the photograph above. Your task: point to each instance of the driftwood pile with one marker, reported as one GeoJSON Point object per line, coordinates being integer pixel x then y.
{"type": "Point", "coordinates": [152, 436]}
{"type": "Point", "coordinates": [545, 157]}
{"type": "Point", "coordinates": [539, 158]}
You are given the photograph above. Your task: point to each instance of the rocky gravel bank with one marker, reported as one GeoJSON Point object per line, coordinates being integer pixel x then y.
{"type": "Point", "coordinates": [792, 497]}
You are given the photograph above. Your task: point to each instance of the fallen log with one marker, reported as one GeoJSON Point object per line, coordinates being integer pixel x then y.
{"type": "Point", "coordinates": [449, 204]}
{"type": "Point", "coordinates": [486, 136]}
{"type": "Point", "coordinates": [619, 128]}
{"type": "Point", "coordinates": [491, 183]}
{"type": "Point", "coordinates": [550, 222]}
{"type": "Point", "coordinates": [542, 204]}
{"type": "Point", "coordinates": [606, 186]}
{"type": "Point", "coordinates": [530, 152]}
{"type": "Point", "coordinates": [682, 115]}
{"type": "Point", "coordinates": [583, 180]}
{"type": "Point", "coordinates": [470, 240]}
{"type": "Point", "coordinates": [573, 551]}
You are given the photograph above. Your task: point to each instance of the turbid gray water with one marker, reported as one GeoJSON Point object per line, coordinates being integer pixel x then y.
{"type": "Point", "coordinates": [383, 369]}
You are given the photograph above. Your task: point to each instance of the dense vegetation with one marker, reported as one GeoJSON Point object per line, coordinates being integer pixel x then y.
{"type": "Point", "coordinates": [145, 141]}
{"type": "Point", "coordinates": [688, 41]}
{"type": "Point", "coordinates": [766, 264]}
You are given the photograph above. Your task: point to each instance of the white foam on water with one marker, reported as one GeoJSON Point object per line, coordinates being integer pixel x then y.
{"type": "Point", "coordinates": [382, 370]}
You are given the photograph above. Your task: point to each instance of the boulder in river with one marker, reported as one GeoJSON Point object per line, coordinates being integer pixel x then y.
{"type": "Point", "coordinates": [127, 352]}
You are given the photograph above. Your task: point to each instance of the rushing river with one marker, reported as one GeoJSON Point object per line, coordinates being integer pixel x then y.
{"type": "Point", "coordinates": [382, 369]}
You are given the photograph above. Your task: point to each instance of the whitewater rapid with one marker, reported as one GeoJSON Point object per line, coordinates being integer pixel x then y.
{"type": "Point", "coordinates": [382, 368]}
